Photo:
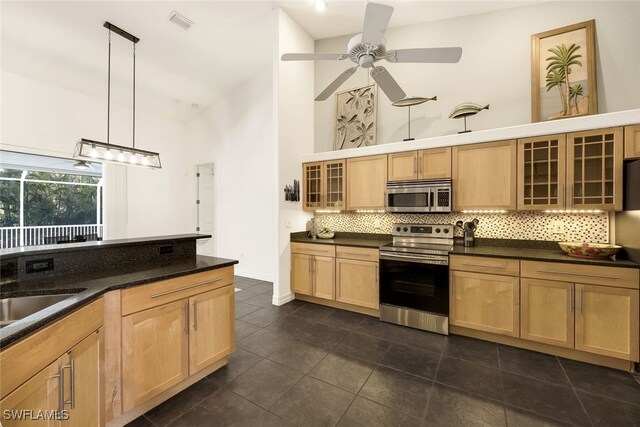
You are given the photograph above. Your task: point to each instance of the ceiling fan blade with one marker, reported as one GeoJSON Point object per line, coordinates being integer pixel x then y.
{"type": "Point", "coordinates": [428, 54]}
{"type": "Point", "coordinates": [389, 86]}
{"type": "Point", "coordinates": [376, 19]}
{"type": "Point", "coordinates": [313, 56]}
{"type": "Point", "coordinates": [336, 84]}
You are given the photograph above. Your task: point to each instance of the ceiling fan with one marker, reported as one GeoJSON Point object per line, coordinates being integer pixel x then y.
{"type": "Point", "coordinates": [367, 48]}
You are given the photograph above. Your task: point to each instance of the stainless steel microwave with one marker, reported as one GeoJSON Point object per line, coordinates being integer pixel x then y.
{"type": "Point", "coordinates": [422, 196]}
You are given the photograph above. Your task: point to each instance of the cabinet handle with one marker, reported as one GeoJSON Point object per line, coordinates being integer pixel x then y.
{"type": "Point", "coordinates": [186, 317]}
{"type": "Point", "coordinates": [571, 300]}
{"type": "Point", "coordinates": [564, 196]}
{"type": "Point", "coordinates": [377, 275]}
{"type": "Point", "coordinates": [596, 276]}
{"type": "Point", "coordinates": [72, 370]}
{"type": "Point", "coordinates": [419, 165]}
{"type": "Point", "coordinates": [195, 285]}
{"type": "Point", "coordinates": [60, 376]}
{"type": "Point", "coordinates": [195, 315]}
{"type": "Point", "coordinates": [352, 254]}
{"type": "Point", "coordinates": [483, 266]}
{"type": "Point", "coordinates": [581, 299]}
{"type": "Point", "coordinates": [415, 165]}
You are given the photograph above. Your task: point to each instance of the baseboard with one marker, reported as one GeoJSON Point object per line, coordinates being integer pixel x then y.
{"type": "Point", "coordinates": [283, 299]}
{"type": "Point", "coordinates": [253, 275]}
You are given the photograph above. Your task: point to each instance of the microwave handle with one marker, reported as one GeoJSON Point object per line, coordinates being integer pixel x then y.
{"type": "Point", "coordinates": [431, 198]}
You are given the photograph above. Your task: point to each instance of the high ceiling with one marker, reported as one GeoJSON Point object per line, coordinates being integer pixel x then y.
{"type": "Point", "coordinates": [63, 43]}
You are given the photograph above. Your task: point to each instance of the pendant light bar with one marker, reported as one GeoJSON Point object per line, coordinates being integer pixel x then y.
{"type": "Point", "coordinates": [117, 154]}
{"type": "Point", "coordinates": [111, 153]}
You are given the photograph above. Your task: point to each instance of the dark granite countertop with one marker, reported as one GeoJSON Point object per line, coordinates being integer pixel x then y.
{"type": "Point", "coordinates": [346, 241]}
{"type": "Point", "coordinates": [538, 255]}
{"type": "Point", "coordinates": [97, 244]}
{"type": "Point", "coordinates": [90, 285]}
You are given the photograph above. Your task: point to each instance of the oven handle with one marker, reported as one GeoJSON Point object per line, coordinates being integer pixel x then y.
{"type": "Point", "coordinates": [413, 258]}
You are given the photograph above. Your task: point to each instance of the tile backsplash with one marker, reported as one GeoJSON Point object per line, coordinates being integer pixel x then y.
{"type": "Point", "coordinates": [592, 228]}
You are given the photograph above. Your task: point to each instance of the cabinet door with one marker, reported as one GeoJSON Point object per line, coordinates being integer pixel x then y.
{"type": "Point", "coordinates": [541, 172]}
{"type": "Point", "coordinates": [312, 190]}
{"type": "Point", "coordinates": [301, 274]}
{"type": "Point", "coordinates": [402, 166]}
{"type": "Point", "coordinates": [324, 277]}
{"type": "Point", "coordinates": [366, 182]}
{"type": "Point", "coordinates": [484, 176]}
{"type": "Point", "coordinates": [434, 163]}
{"type": "Point", "coordinates": [485, 302]}
{"type": "Point", "coordinates": [607, 321]}
{"type": "Point", "coordinates": [594, 169]}
{"type": "Point", "coordinates": [632, 142]}
{"type": "Point", "coordinates": [546, 312]}
{"type": "Point", "coordinates": [40, 393]}
{"type": "Point", "coordinates": [83, 383]}
{"type": "Point", "coordinates": [155, 351]}
{"type": "Point", "coordinates": [357, 283]}
{"type": "Point", "coordinates": [212, 327]}
{"type": "Point", "coordinates": [335, 184]}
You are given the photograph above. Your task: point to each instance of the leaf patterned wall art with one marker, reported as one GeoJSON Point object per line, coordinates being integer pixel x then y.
{"type": "Point", "coordinates": [356, 115]}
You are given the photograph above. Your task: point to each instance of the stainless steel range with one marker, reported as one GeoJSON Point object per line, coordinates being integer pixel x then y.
{"type": "Point", "coordinates": [414, 277]}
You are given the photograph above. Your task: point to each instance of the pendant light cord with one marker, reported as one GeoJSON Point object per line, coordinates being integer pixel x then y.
{"type": "Point", "coordinates": [109, 88]}
{"type": "Point", "coordinates": [134, 95]}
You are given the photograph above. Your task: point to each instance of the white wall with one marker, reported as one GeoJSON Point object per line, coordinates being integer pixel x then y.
{"type": "Point", "coordinates": [495, 68]}
{"type": "Point", "coordinates": [293, 88]}
{"type": "Point", "coordinates": [44, 119]}
{"type": "Point", "coordinates": [237, 135]}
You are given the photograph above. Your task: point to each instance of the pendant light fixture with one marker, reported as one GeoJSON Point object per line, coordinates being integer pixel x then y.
{"type": "Point", "coordinates": [112, 153]}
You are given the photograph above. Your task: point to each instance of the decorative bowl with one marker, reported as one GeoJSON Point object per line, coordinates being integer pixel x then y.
{"type": "Point", "coordinates": [326, 235]}
{"type": "Point", "coordinates": [589, 250]}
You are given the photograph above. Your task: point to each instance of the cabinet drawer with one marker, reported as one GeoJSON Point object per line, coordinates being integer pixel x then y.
{"type": "Point", "coordinates": [589, 274]}
{"type": "Point", "coordinates": [154, 294]}
{"type": "Point", "coordinates": [480, 264]}
{"type": "Point", "coordinates": [363, 254]}
{"type": "Point", "coordinates": [313, 249]}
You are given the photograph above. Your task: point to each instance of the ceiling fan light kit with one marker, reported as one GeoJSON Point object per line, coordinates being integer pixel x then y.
{"type": "Point", "coordinates": [368, 47]}
{"type": "Point", "coordinates": [111, 153]}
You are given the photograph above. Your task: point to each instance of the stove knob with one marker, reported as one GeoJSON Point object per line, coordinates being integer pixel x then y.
{"type": "Point", "coordinates": [405, 229]}
{"type": "Point", "coordinates": [437, 230]}
{"type": "Point", "coordinates": [397, 228]}
{"type": "Point", "coordinates": [446, 231]}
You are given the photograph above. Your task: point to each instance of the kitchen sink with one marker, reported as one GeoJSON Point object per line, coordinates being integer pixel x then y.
{"type": "Point", "coordinates": [14, 309]}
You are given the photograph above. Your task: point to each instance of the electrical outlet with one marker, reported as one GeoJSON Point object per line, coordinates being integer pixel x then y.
{"type": "Point", "coordinates": [376, 224]}
{"type": "Point", "coordinates": [287, 223]}
{"type": "Point", "coordinates": [557, 227]}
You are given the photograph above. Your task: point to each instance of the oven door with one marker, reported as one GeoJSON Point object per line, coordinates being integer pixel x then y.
{"type": "Point", "coordinates": [415, 285]}
{"type": "Point", "coordinates": [408, 199]}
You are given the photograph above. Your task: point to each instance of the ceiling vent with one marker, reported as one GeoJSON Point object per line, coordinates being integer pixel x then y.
{"type": "Point", "coordinates": [180, 20]}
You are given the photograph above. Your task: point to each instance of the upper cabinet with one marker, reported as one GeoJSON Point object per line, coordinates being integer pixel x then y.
{"type": "Point", "coordinates": [366, 182]}
{"type": "Point", "coordinates": [323, 185]}
{"type": "Point", "coordinates": [541, 172]}
{"type": "Point", "coordinates": [594, 169]}
{"type": "Point", "coordinates": [632, 142]}
{"type": "Point", "coordinates": [424, 164]}
{"type": "Point", "coordinates": [484, 176]}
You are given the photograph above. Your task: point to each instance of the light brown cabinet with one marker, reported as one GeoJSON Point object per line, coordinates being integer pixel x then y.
{"type": "Point", "coordinates": [541, 172]}
{"type": "Point", "coordinates": [301, 277]}
{"type": "Point", "coordinates": [313, 275]}
{"type": "Point", "coordinates": [607, 321]}
{"type": "Point", "coordinates": [547, 312]}
{"type": "Point", "coordinates": [324, 185]}
{"type": "Point", "coordinates": [357, 282]}
{"type": "Point", "coordinates": [434, 163]}
{"type": "Point", "coordinates": [211, 337]}
{"type": "Point", "coordinates": [484, 176]}
{"type": "Point", "coordinates": [485, 302]}
{"type": "Point", "coordinates": [83, 377]}
{"type": "Point", "coordinates": [632, 142]}
{"type": "Point", "coordinates": [366, 182]}
{"type": "Point", "coordinates": [594, 169]}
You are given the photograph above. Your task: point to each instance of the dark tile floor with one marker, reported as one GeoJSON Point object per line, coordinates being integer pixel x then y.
{"type": "Point", "coordinates": [310, 365]}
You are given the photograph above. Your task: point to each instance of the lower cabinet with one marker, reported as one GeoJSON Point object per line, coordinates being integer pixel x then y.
{"type": "Point", "coordinates": [486, 302]}
{"type": "Point", "coordinates": [357, 283]}
{"type": "Point", "coordinates": [82, 379]}
{"type": "Point", "coordinates": [345, 274]}
{"type": "Point", "coordinates": [607, 321]}
{"type": "Point", "coordinates": [155, 351]}
{"type": "Point", "coordinates": [547, 312]}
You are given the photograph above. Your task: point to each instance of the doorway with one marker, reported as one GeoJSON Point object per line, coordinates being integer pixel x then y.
{"type": "Point", "coordinates": [205, 208]}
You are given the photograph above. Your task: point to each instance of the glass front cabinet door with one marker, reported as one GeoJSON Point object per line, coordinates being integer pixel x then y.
{"type": "Point", "coordinates": [594, 169]}
{"type": "Point", "coordinates": [541, 172]}
{"type": "Point", "coordinates": [323, 185]}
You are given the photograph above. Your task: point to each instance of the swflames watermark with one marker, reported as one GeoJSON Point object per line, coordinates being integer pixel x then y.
{"type": "Point", "coordinates": [34, 415]}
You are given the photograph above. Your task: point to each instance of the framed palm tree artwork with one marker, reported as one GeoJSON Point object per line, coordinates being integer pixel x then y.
{"type": "Point", "coordinates": [563, 73]}
{"type": "Point", "coordinates": [356, 115]}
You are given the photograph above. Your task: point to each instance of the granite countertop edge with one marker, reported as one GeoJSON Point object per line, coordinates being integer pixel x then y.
{"type": "Point", "coordinates": [344, 241]}
{"type": "Point", "coordinates": [92, 289]}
